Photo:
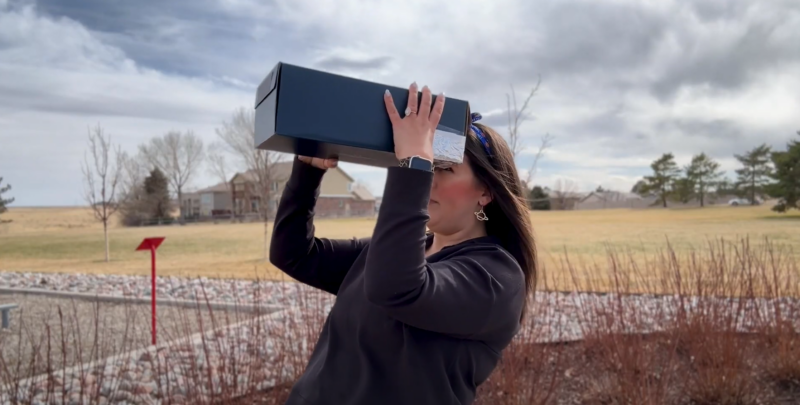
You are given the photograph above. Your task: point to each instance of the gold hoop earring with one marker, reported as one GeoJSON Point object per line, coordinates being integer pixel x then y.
{"type": "Point", "coordinates": [481, 215]}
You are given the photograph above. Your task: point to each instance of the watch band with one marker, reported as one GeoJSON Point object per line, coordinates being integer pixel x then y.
{"type": "Point", "coordinates": [417, 162]}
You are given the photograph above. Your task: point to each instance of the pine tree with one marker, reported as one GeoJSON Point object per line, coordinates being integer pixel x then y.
{"type": "Point", "coordinates": [665, 172]}
{"type": "Point", "coordinates": [539, 198]}
{"type": "Point", "coordinates": [640, 188]}
{"type": "Point", "coordinates": [755, 173]}
{"type": "Point", "coordinates": [683, 189]}
{"type": "Point", "coordinates": [787, 177]}
{"type": "Point", "coordinates": [156, 188]}
{"type": "Point", "coordinates": [4, 202]}
{"type": "Point", "coordinates": [703, 174]}
{"type": "Point", "coordinates": [727, 187]}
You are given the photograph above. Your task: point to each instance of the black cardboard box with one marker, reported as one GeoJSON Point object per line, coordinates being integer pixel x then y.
{"type": "Point", "coordinates": [313, 113]}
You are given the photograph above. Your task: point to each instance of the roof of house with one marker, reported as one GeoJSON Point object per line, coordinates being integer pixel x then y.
{"type": "Point", "coordinates": [217, 188]}
{"type": "Point", "coordinates": [362, 193]}
{"type": "Point", "coordinates": [282, 171]}
{"type": "Point", "coordinates": [565, 194]}
{"type": "Point", "coordinates": [613, 196]}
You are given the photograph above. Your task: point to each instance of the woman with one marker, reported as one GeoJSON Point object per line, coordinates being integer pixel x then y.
{"type": "Point", "coordinates": [419, 318]}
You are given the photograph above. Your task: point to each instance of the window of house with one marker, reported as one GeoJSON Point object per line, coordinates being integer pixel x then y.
{"type": "Point", "coordinates": [254, 205]}
{"type": "Point", "coordinates": [274, 186]}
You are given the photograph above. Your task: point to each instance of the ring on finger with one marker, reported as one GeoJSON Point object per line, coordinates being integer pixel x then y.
{"type": "Point", "coordinates": [409, 111]}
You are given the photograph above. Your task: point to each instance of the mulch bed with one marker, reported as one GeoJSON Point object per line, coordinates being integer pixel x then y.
{"type": "Point", "coordinates": [709, 369]}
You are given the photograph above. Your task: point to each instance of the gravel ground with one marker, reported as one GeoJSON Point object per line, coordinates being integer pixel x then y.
{"type": "Point", "coordinates": [37, 340]}
{"type": "Point", "coordinates": [230, 290]}
{"type": "Point", "coordinates": [263, 347]}
{"type": "Point", "coordinates": [555, 315]}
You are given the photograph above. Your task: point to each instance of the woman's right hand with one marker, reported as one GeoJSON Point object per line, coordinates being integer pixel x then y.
{"type": "Point", "coordinates": [319, 163]}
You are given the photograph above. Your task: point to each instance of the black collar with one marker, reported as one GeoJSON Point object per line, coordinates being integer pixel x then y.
{"type": "Point", "coordinates": [481, 239]}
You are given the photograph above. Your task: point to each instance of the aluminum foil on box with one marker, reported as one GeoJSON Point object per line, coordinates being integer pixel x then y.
{"type": "Point", "coordinates": [448, 147]}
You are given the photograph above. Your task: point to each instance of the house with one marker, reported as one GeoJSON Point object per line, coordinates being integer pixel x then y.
{"type": "Point", "coordinates": [616, 199]}
{"type": "Point", "coordinates": [613, 199]}
{"type": "Point", "coordinates": [564, 200]}
{"type": "Point", "coordinates": [209, 202]}
{"type": "Point", "coordinates": [340, 194]}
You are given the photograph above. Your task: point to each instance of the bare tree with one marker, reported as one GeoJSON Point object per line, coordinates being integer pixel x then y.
{"type": "Point", "coordinates": [134, 170]}
{"type": "Point", "coordinates": [178, 155]}
{"type": "Point", "coordinates": [218, 165]}
{"type": "Point", "coordinates": [238, 137]}
{"type": "Point", "coordinates": [563, 191]}
{"type": "Point", "coordinates": [516, 116]}
{"type": "Point", "coordinates": [102, 177]}
{"type": "Point", "coordinates": [543, 146]}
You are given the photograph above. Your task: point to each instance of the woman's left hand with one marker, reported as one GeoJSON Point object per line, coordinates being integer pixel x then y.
{"type": "Point", "coordinates": [413, 134]}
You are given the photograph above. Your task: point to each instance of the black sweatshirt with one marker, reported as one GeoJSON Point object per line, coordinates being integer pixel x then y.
{"type": "Point", "coordinates": [405, 329]}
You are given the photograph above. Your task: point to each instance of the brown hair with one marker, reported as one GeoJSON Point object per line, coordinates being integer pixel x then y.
{"type": "Point", "coordinates": [509, 218]}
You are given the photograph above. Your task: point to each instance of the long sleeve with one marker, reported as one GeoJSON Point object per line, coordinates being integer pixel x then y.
{"type": "Point", "coordinates": [468, 294]}
{"type": "Point", "coordinates": [319, 262]}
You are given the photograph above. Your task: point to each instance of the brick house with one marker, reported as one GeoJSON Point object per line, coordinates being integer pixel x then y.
{"type": "Point", "coordinates": [340, 194]}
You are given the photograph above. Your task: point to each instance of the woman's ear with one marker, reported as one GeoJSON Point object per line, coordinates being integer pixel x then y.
{"type": "Point", "coordinates": [486, 198]}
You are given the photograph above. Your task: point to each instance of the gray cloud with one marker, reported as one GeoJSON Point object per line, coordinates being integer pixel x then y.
{"type": "Point", "coordinates": [191, 38]}
{"type": "Point", "coordinates": [730, 66]}
{"type": "Point", "coordinates": [342, 62]}
{"type": "Point", "coordinates": [622, 81]}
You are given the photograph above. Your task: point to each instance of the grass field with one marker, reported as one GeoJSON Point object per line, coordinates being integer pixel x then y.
{"type": "Point", "coordinates": [69, 240]}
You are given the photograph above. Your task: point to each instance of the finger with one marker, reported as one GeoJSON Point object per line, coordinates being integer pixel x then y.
{"type": "Point", "coordinates": [305, 159]}
{"type": "Point", "coordinates": [425, 107]}
{"type": "Point", "coordinates": [394, 116]}
{"type": "Point", "coordinates": [413, 95]}
{"type": "Point", "coordinates": [438, 109]}
{"type": "Point", "coordinates": [331, 163]}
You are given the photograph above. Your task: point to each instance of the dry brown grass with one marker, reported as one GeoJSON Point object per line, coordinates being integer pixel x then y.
{"type": "Point", "coordinates": [68, 240]}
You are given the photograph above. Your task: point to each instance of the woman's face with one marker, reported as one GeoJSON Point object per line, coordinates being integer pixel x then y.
{"type": "Point", "coordinates": [456, 195]}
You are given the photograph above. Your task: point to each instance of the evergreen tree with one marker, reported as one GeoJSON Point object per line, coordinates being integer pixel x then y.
{"type": "Point", "coordinates": [156, 189]}
{"type": "Point", "coordinates": [727, 187]}
{"type": "Point", "coordinates": [639, 188]}
{"type": "Point", "coordinates": [665, 172]}
{"type": "Point", "coordinates": [539, 198]}
{"type": "Point", "coordinates": [787, 177]}
{"type": "Point", "coordinates": [4, 202]}
{"type": "Point", "coordinates": [755, 173]}
{"type": "Point", "coordinates": [702, 174]}
{"type": "Point", "coordinates": [683, 189]}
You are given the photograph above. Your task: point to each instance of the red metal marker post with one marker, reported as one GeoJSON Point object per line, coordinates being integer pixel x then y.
{"type": "Point", "coordinates": [152, 244]}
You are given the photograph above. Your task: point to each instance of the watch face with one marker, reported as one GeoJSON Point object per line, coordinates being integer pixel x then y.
{"type": "Point", "coordinates": [420, 163]}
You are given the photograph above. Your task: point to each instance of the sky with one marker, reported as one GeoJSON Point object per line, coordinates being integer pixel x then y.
{"type": "Point", "coordinates": [622, 81]}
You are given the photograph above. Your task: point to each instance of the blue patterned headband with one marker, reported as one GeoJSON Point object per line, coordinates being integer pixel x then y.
{"type": "Point", "coordinates": [476, 117]}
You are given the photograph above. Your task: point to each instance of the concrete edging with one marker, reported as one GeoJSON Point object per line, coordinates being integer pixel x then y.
{"type": "Point", "coordinates": [216, 305]}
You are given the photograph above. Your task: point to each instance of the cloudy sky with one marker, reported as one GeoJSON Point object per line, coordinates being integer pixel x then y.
{"type": "Point", "coordinates": [622, 80]}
